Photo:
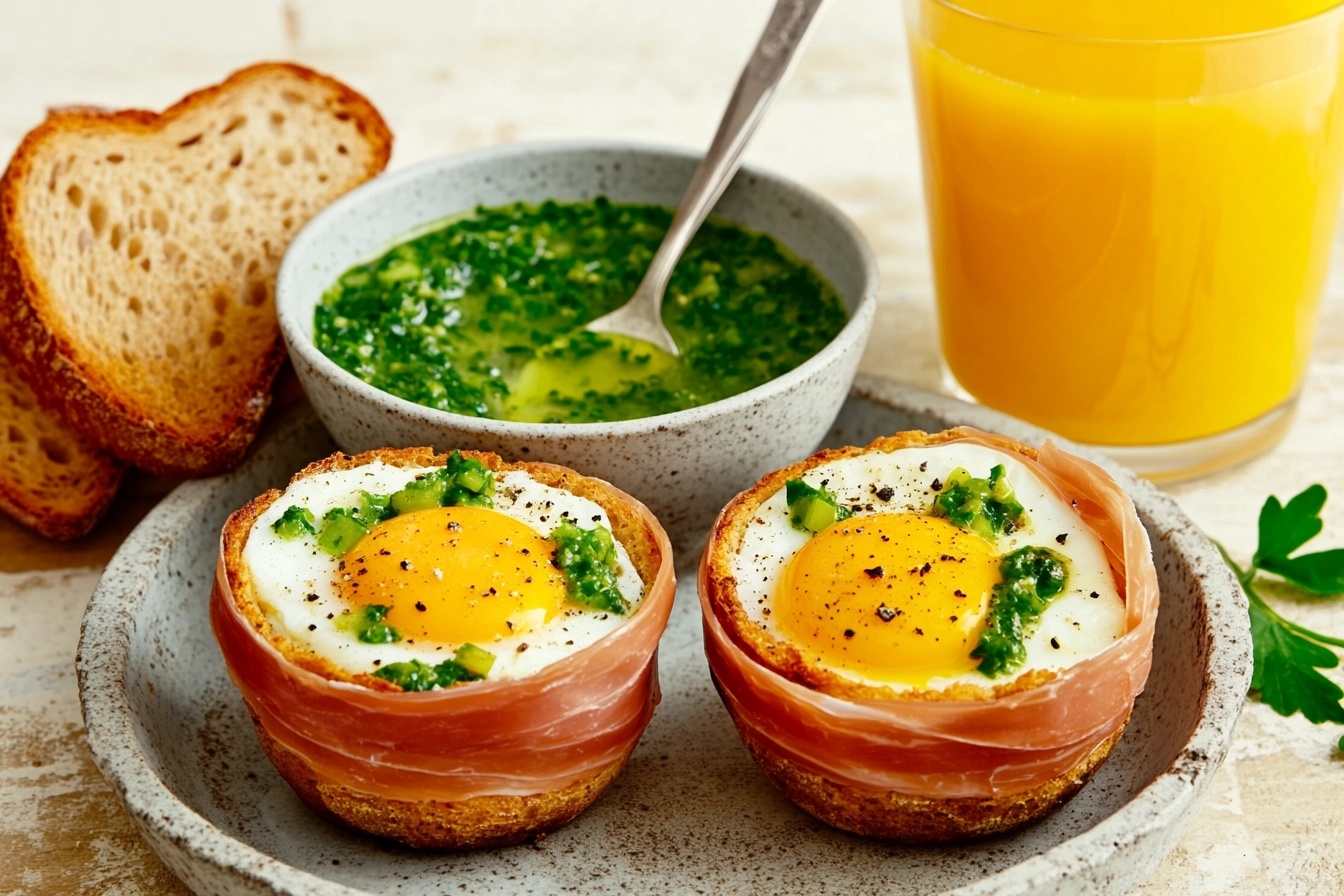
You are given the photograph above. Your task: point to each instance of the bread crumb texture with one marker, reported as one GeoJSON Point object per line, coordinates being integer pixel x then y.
{"type": "Point", "coordinates": [51, 478]}
{"type": "Point", "coordinates": [147, 246]}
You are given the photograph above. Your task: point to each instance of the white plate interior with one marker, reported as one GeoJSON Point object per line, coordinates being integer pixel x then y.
{"type": "Point", "coordinates": [691, 813]}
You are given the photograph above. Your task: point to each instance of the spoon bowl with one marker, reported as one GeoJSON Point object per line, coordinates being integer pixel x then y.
{"type": "Point", "coordinates": [641, 316]}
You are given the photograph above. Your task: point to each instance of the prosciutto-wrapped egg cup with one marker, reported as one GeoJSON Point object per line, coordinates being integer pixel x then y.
{"type": "Point", "coordinates": [933, 638]}
{"type": "Point", "coordinates": [448, 651]}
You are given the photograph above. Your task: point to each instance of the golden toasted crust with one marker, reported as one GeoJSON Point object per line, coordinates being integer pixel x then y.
{"type": "Point", "coordinates": [892, 816]}
{"type": "Point", "coordinates": [160, 345]}
{"type": "Point", "coordinates": [478, 822]}
{"type": "Point", "coordinates": [784, 658]}
{"type": "Point", "coordinates": [51, 479]}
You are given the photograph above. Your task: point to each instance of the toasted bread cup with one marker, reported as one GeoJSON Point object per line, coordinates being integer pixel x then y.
{"type": "Point", "coordinates": [931, 765]}
{"type": "Point", "coordinates": [482, 763]}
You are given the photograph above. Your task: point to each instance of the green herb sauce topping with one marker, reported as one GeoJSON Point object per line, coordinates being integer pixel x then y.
{"type": "Point", "coordinates": [367, 624]}
{"type": "Point", "coordinates": [812, 509]}
{"type": "Point", "coordinates": [1031, 577]}
{"type": "Point", "coordinates": [587, 557]}
{"type": "Point", "coordinates": [987, 506]}
{"type": "Point", "coordinates": [483, 315]}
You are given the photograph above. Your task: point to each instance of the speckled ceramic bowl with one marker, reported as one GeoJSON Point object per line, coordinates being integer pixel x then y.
{"type": "Point", "coordinates": [685, 465]}
{"type": "Point", "coordinates": [691, 813]}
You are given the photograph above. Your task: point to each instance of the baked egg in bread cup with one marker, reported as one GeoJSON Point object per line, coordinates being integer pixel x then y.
{"type": "Point", "coordinates": [449, 651]}
{"type": "Point", "coordinates": [933, 638]}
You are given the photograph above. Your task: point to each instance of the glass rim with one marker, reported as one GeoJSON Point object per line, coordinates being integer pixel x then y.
{"type": "Point", "coordinates": [1334, 11]}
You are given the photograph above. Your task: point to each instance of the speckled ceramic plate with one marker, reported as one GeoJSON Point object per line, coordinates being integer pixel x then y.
{"type": "Point", "coordinates": [691, 813]}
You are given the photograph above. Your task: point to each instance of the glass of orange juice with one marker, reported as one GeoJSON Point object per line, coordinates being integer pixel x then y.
{"type": "Point", "coordinates": [1131, 208]}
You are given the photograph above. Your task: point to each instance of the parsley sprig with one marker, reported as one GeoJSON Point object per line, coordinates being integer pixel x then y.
{"type": "Point", "coordinates": [1288, 656]}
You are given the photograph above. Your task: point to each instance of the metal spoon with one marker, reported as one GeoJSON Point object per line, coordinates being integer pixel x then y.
{"type": "Point", "coordinates": [641, 316]}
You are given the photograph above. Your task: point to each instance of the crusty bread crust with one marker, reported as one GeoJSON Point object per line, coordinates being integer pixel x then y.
{"type": "Point", "coordinates": [171, 399]}
{"type": "Point", "coordinates": [51, 479]}
{"type": "Point", "coordinates": [871, 813]}
{"type": "Point", "coordinates": [434, 824]}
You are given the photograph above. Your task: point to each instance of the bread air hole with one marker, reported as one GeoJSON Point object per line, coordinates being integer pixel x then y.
{"type": "Point", "coordinates": [219, 213]}
{"type": "Point", "coordinates": [54, 450]}
{"type": "Point", "coordinates": [118, 234]}
{"type": "Point", "coordinates": [237, 159]}
{"type": "Point", "coordinates": [340, 148]}
{"type": "Point", "coordinates": [191, 141]}
{"type": "Point", "coordinates": [134, 305]}
{"type": "Point", "coordinates": [97, 217]}
{"type": "Point", "coordinates": [115, 158]}
{"type": "Point", "coordinates": [16, 435]}
{"type": "Point", "coordinates": [285, 156]}
{"type": "Point", "coordinates": [234, 124]}
{"type": "Point", "coordinates": [221, 303]}
{"type": "Point", "coordinates": [158, 219]}
{"type": "Point", "coordinates": [277, 118]}
{"type": "Point", "coordinates": [75, 195]}
{"type": "Point", "coordinates": [173, 352]}
{"type": "Point", "coordinates": [257, 294]}
{"type": "Point", "coordinates": [134, 247]}
{"type": "Point", "coordinates": [216, 339]}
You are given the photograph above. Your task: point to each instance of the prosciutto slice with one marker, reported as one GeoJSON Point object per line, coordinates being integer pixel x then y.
{"type": "Point", "coordinates": [964, 748]}
{"type": "Point", "coordinates": [506, 737]}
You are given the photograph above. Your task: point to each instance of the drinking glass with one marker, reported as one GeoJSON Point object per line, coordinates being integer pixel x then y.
{"type": "Point", "coordinates": [1131, 210]}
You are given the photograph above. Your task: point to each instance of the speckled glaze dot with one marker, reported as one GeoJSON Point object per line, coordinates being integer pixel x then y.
{"type": "Point", "coordinates": [691, 812]}
{"type": "Point", "coordinates": [712, 449]}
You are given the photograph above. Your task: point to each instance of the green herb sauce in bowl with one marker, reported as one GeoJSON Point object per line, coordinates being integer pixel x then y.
{"type": "Point", "coordinates": [483, 314]}
{"type": "Point", "coordinates": [683, 464]}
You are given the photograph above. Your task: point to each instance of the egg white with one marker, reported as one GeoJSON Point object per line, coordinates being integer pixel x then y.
{"type": "Point", "coordinates": [1074, 626]}
{"type": "Point", "coordinates": [286, 572]}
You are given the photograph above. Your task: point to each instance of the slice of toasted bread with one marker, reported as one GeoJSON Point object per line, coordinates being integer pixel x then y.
{"type": "Point", "coordinates": [51, 479]}
{"type": "Point", "coordinates": [138, 255]}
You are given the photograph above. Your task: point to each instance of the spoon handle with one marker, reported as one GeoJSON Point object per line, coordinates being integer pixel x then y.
{"type": "Point", "coordinates": [769, 63]}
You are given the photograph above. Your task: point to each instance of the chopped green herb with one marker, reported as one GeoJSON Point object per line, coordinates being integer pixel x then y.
{"type": "Point", "coordinates": [373, 508]}
{"type": "Point", "coordinates": [1031, 576]}
{"type": "Point", "coordinates": [367, 624]}
{"type": "Point", "coordinates": [341, 529]}
{"type": "Point", "coordinates": [1288, 656]}
{"type": "Point", "coordinates": [295, 522]}
{"type": "Point", "coordinates": [415, 675]}
{"type": "Point", "coordinates": [987, 506]}
{"type": "Point", "coordinates": [587, 557]}
{"type": "Point", "coordinates": [812, 509]}
{"type": "Point", "coordinates": [476, 660]}
{"type": "Point", "coordinates": [462, 481]}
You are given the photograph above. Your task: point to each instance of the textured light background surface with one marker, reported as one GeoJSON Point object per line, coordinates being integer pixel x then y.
{"type": "Point", "coordinates": [452, 75]}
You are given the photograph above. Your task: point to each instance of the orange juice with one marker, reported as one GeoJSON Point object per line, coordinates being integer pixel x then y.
{"type": "Point", "coordinates": [1131, 205]}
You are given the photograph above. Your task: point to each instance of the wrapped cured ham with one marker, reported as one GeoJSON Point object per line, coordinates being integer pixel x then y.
{"type": "Point", "coordinates": [860, 735]}
{"type": "Point", "coordinates": [388, 748]}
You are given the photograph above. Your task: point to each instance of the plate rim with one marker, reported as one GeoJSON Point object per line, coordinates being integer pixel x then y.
{"type": "Point", "coordinates": [175, 830]}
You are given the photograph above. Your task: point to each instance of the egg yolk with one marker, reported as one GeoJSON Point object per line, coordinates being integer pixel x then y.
{"type": "Point", "coordinates": [896, 598]}
{"type": "Point", "coordinates": [454, 574]}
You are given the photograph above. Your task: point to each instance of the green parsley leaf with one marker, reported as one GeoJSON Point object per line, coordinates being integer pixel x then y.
{"type": "Point", "coordinates": [1288, 657]}
{"type": "Point", "coordinates": [1284, 529]}
{"type": "Point", "coordinates": [1285, 670]}
{"type": "Point", "coordinates": [1321, 573]}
